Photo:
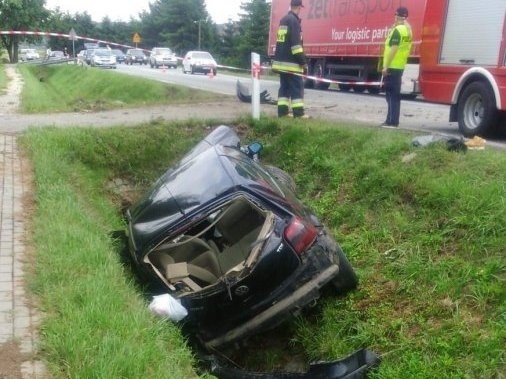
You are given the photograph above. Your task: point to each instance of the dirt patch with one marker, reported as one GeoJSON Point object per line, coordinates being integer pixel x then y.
{"type": "Point", "coordinates": [10, 361]}
{"type": "Point", "coordinates": [10, 98]}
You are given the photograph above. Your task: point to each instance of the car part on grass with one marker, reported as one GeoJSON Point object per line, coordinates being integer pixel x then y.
{"type": "Point", "coordinates": [452, 143]}
{"type": "Point", "coordinates": [244, 95]}
{"type": "Point", "coordinates": [354, 366]}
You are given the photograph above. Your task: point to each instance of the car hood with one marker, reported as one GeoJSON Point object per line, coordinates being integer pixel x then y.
{"type": "Point", "coordinates": [198, 178]}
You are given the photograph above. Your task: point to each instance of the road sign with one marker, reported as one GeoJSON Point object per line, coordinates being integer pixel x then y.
{"type": "Point", "coordinates": [136, 38]}
{"type": "Point", "coordinates": [72, 35]}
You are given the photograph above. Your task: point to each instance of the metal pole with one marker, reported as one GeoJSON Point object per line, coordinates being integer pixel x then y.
{"type": "Point", "coordinates": [255, 78]}
{"type": "Point", "coordinates": [199, 33]}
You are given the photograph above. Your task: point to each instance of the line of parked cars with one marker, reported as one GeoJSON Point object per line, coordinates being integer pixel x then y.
{"type": "Point", "coordinates": [193, 62]}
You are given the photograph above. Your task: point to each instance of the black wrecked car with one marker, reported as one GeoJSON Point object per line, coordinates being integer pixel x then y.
{"type": "Point", "coordinates": [226, 235]}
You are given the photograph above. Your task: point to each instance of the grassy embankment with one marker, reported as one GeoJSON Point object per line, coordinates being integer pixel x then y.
{"type": "Point", "coordinates": [423, 227]}
{"type": "Point", "coordinates": [71, 88]}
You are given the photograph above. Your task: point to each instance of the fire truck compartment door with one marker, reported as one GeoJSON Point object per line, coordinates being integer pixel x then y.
{"type": "Point", "coordinates": [473, 32]}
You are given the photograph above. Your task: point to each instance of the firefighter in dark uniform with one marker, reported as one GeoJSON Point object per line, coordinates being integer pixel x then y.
{"type": "Point", "coordinates": [289, 59]}
{"type": "Point", "coordinates": [395, 57]}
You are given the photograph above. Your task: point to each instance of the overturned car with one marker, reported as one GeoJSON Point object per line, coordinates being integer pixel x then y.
{"type": "Point", "coordinates": [226, 236]}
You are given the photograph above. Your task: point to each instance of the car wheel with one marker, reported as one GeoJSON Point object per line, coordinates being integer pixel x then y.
{"type": "Point", "coordinates": [282, 176]}
{"type": "Point", "coordinates": [477, 112]}
{"type": "Point", "coordinates": [346, 280]}
{"type": "Point", "coordinates": [192, 70]}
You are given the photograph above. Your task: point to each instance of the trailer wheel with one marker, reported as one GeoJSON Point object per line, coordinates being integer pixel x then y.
{"type": "Point", "coordinates": [319, 72]}
{"type": "Point", "coordinates": [374, 90]}
{"type": "Point", "coordinates": [477, 113]}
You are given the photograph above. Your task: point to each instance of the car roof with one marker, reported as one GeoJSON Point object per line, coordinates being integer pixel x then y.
{"type": "Point", "coordinates": [213, 171]}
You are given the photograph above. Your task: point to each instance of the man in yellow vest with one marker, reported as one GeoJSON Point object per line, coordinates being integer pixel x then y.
{"type": "Point", "coordinates": [395, 57]}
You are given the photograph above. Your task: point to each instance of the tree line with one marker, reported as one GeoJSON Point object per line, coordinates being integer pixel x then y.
{"type": "Point", "coordinates": [181, 25]}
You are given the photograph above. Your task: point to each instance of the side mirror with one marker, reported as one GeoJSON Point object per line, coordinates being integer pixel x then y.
{"type": "Point", "coordinates": [254, 148]}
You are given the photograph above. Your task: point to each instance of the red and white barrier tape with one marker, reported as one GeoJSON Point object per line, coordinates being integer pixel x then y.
{"type": "Point", "coordinates": [63, 35]}
{"type": "Point", "coordinates": [348, 83]}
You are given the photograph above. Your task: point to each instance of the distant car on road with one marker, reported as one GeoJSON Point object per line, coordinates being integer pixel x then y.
{"type": "Point", "coordinates": [103, 58]}
{"type": "Point", "coordinates": [28, 54]}
{"type": "Point", "coordinates": [56, 54]}
{"type": "Point", "coordinates": [136, 56]}
{"type": "Point", "coordinates": [162, 56]}
{"type": "Point", "coordinates": [120, 55]}
{"type": "Point", "coordinates": [199, 61]}
{"type": "Point", "coordinates": [87, 55]}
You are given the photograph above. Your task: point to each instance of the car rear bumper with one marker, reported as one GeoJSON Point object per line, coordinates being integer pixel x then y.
{"type": "Point", "coordinates": [106, 65]}
{"type": "Point", "coordinates": [297, 300]}
{"type": "Point", "coordinates": [166, 63]}
{"type": "Point", "coordinates": [203, 69]}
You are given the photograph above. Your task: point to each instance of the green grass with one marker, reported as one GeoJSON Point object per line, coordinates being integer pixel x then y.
{"type": "Point", "coordinates": [3, 78]}
{"type": "Point", "coordinates": [73, 88]}
{"type": "Point", "coordinates": [426, 236]}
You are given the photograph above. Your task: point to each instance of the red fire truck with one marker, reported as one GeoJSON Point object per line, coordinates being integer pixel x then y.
{"type": "Point", "coordinates": [460, 47]}
{"type": "Point", "coordinates": [463, 61]}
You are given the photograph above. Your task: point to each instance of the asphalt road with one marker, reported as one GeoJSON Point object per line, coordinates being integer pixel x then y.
{"type": "Point", "coordinates": [416, 115]}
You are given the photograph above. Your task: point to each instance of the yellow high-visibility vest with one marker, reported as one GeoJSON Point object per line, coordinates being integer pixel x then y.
{"type": "Point", "coordinates": [401, 57]}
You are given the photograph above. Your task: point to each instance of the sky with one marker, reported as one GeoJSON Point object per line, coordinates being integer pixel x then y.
{"type": "Point", "coordinates": [219, 10]}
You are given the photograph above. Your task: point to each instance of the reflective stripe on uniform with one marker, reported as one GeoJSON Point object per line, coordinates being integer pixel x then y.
{"type": "Point", "coordinates": [297, 49]}
{"type": "Point", "coordinates": [297, 103]}
{"type": "Point", "coordinates": [287, 66]}
{"type": "Point", "coordinates": [283, 101]}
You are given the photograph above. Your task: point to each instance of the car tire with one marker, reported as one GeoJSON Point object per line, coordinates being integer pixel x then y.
{"type": "Point", "coordinates": [192, 70]}
{"type": "Point", "coordinates": [346, 280]}
{"type": "Point", "coordinates": [282, 176]}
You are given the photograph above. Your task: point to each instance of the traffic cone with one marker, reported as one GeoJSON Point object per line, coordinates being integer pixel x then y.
{"type": "Point", "coordinates": [163, 68]}
{"type": "Point", "coordinates": [211, 74]}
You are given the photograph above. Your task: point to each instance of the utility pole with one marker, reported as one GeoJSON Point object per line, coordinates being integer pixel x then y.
{"type": "Point", "coordinates": [199, 22]}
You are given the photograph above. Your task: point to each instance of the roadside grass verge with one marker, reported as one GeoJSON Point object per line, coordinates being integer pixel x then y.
{"type": "Point", "coordinates": [74, 88]}
{"type": "Point", "coordinates": [423, 227]}
{"type": "Point", "coordinates": [3, 78]}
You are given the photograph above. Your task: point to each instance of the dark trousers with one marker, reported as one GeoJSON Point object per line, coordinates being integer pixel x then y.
{"type": "Point", "coordinates": [393, 83]}
{"type": "Point", "coordinates": [291, 90]}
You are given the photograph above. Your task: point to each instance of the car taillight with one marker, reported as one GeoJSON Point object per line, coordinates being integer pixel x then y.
{"type": "Point", "coordinates": [300, 235]}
